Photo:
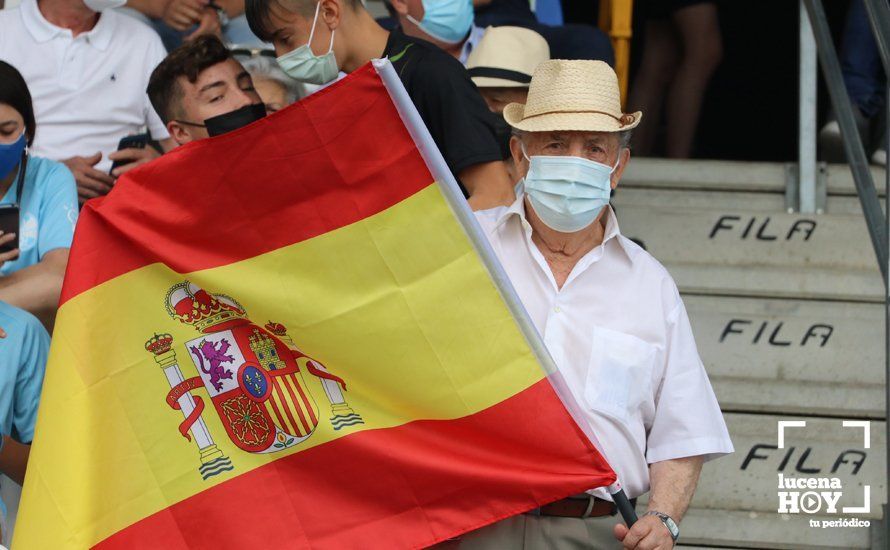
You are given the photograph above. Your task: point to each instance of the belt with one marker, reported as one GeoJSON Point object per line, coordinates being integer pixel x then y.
{"type": "Point", "coordinates": [579, 506]}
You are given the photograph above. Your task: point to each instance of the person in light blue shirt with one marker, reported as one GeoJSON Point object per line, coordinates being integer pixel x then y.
{"type": "Point", "coordinates": [23, 355]}
{"type": "Point", "coordinates": [48, 212]}
{"type": "Point", "coordinates": [31, 274]}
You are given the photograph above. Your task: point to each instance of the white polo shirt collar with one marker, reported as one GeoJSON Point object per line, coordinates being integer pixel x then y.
{"type": "Point", "coordinates": [43, 31]}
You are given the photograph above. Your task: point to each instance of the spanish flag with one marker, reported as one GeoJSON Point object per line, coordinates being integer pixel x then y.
{"type": "Point", "coordinates": [287, 337]}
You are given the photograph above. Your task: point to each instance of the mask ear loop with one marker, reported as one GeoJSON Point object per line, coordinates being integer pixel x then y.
{"type": "Point", "coordinates": [312, 32]}
{"type": "Point", "coordinates": [617, 162]}
{"type": "Point", "coordinates": [20, 182]}
{"type": "Point", "coordinates": [524, 154]}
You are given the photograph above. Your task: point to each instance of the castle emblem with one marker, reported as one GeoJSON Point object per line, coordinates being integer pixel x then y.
{"type": "Point", "coordinates": [256, 379]}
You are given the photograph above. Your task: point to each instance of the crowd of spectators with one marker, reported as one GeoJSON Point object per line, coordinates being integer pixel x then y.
{"type": "Point", "coordinates": [91, 89]}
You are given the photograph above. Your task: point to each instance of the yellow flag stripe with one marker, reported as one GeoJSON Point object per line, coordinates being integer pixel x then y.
{"type": "Point", "coordinates": [397, 304]}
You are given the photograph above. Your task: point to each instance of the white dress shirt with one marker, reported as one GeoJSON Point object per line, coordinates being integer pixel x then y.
{"type": "Point", "coordinates": [619, 334]}
{"type": "Point", "coordinates": [88, 91]}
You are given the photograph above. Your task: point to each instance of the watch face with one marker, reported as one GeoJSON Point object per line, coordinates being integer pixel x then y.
{"type": "Point", "coordinates": [672, 527]}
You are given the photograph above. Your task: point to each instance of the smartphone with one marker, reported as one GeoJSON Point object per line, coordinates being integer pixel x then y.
{"type": "Point", "coordinates": [139, 141]}
{"type": "Point", "coordinates": [9, 223]}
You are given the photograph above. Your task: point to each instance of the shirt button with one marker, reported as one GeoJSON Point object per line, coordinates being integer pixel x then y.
{"type": "Point", "coordinates": [556, 309]}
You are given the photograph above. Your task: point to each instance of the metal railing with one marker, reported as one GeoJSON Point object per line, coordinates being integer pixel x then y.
{"type": "Point", "coordinates": [816, 36]}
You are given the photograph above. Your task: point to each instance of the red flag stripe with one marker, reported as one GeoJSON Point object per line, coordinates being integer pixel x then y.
{"type": "Point", "coordinates": [233, 222]}
{"type": "Point", "coordinates": [349, 503]}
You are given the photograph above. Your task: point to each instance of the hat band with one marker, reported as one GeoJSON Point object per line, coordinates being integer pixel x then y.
{"type": "Point", "coordinates": [506, 74]}
{"type": "Point", "coordinates": [623, 120]}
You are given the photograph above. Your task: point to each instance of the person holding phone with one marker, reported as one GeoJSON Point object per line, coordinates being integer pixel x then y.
{"type": "Point", "coordinates": [87, 66]}
{"type": "Point", "coordinates": [45, 195]}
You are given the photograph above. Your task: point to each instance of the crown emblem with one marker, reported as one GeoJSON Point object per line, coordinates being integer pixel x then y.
{"type": "Point", "coordinates": [192, 305]}
{"type": "Point", "coordinates": [159, 344]}
{"type": "Point", "coordinates": [276, 328]}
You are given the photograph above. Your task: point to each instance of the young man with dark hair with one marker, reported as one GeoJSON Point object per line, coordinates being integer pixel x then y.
{"type": "Point", "coordinates": [201, 90]}
{"type": "Point", "coordinates": [315, 39]}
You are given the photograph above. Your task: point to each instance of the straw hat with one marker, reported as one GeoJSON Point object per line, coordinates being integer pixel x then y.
{"type": "Point", "coordinates": [572, 95]}
{"type": "Point", "coordinates": [506, 57]}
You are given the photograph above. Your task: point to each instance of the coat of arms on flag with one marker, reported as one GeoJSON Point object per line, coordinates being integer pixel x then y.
{"type": "Point", "coordinates": [254, 377]}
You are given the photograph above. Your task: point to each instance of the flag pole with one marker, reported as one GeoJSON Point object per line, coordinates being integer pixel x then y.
{"type": "Point", "coordinates": [625, 508]}
{"type": "Point", "coordinates": [455, 199]}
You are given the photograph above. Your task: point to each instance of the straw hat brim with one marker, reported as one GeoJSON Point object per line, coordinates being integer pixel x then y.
{"type": "Point", "coordinates": [514, 114]}
{"type": "Point", "coordinates": [489, 82]}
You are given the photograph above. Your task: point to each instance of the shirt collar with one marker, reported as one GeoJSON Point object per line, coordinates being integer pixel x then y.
{"type": "Point", "coordinates": [612, 231]}
{"type": "Point", "coordinates": [43, 31]}
{"type": "Point", "coordinates": [476, 34]}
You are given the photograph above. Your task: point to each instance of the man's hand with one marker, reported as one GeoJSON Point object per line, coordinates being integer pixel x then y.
{"type": "Point", "coordinates": [209, 24]}
{"type": "Point", "coordinates": [91, 183]}
{"type": "Point", "coordinates": [132, 157]}
{"type": "Point", "coordinates": [183, 14]}
{"type": "Point", "coordinates": [648, 533]}
{"type": "Point", "coordinates": [672, 486]}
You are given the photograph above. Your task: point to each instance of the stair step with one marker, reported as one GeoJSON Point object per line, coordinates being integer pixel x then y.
{"type": "Point", "coordinates": [731, 243]}
{"type": "Point", "coordinates": [741, 482]}
{"type": "Point", "coordinates": [792, 356]}
{"type": "Point", "coordinates": [736, 501]}
{"type": "Point", "coordinates": [728, 175]}
{"type": "Point", "coordinates": [743, 530]}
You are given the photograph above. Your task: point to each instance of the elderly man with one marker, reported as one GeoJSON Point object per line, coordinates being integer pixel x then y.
{"type": "Point", "coordinates": [610, 314]}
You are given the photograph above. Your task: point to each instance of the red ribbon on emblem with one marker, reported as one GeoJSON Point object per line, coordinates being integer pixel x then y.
{"type": "Point", "coordinates": [176, 392]}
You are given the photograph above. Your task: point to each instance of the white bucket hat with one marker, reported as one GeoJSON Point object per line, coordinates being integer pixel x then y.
{"type": "Point", "coordinates": [572, 96]}
{"type": "Point", "coordinates": [506, 57]}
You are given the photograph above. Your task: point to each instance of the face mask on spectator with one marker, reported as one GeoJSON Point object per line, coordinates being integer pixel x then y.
{"type": "Point", "coordinates": [305, 66]}
{"type": "Point", "coordinates": [11, 155]}
{"type": "Point", "coordinates": [225, 123]}
{"type": "Point", "coordinates": [102, 5]}
{"type": "Point", "coordinates": [447, 21]}
{"type": "Point", "coordinates": [567, 193]}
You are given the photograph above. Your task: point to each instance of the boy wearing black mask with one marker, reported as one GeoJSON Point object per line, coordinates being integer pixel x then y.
{"type": "Point", "coordinates": [200, 90]}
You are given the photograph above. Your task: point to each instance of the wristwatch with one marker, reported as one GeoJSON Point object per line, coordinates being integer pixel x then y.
{"type": "Point", "coordinates": [668, 522]}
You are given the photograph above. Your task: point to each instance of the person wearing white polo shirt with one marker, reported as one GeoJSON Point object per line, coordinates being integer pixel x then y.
{"type": "Point", "coordinates": [609, 313]}
{"type": "Point", "coordinates": [87, 67]}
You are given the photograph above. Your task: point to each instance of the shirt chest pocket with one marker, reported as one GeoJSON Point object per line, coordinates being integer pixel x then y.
{"type": "Point", "coordinates": [619, 377]}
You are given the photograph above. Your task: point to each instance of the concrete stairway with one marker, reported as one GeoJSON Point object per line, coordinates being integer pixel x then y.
{"type": "Point", "coordinates": [788, 315]}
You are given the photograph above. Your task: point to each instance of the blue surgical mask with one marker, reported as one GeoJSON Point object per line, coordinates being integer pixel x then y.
{"type": "Point", "coordinates": [567, 193]}
{"type": "Point", "coordinates": [11, 155]}
{"type": "Point", "coordinates": [305, 66]}
{"type": "Point", "coordinates": [447, 21]}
